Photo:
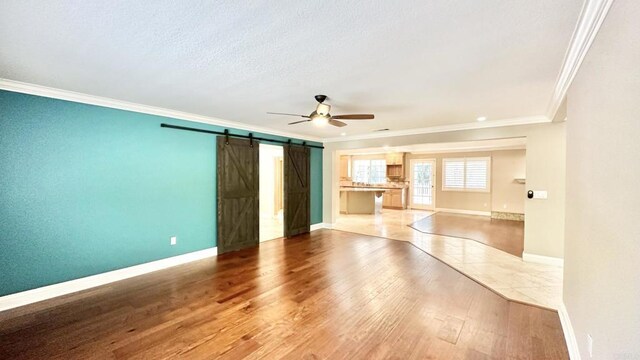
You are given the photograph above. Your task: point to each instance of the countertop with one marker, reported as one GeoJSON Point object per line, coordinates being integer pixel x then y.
{"type": "Point", "coordinates": [376, 187]}
{"type": "Point", "coordinates": [363, 189]}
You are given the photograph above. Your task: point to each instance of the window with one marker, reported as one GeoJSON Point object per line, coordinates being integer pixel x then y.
{"type": "Point", "coordinates": [466, 174]}
{"type": "Point", "coordinates": [370, 171]}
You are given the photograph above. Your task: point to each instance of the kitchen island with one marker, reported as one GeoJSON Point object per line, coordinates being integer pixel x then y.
{"type": "Point", "coordinates": [359, 200]}
{"type": "Point", "coordinates": [394, 198]}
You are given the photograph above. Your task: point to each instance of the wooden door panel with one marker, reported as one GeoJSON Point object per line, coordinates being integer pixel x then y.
{"type": "Point", "coordinates": [238, 194]}
{"type": "Point", "coordinates": [297, 196]}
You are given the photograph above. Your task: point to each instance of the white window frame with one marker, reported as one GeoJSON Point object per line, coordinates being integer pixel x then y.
{"type": "Point", "coordinates": [464, 174]}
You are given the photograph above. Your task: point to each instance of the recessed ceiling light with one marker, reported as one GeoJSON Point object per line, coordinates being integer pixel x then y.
{"type": "Point", "coordinates": [482, 118]}
{"type": "Point", "coordinates": [343, 134]}
{"type": "Point", "coordinates": [386, 147]}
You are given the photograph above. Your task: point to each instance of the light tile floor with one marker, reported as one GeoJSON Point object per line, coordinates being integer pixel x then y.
{"type": "Point", "coordinates": [502, 272]}
{"type": "Point", "coordinates": [271, 228]}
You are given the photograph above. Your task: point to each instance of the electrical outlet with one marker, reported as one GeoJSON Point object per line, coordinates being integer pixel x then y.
{"type": "Point", "coordinates": [174, 240]}
{"type": "Point", "coordinates": [590, 345]}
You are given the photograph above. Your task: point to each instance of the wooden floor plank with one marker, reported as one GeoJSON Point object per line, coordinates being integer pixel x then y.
{"type": "Point", "coordinates": [328, 294]}
{"type": "Point", "coordinates": [506, 235]}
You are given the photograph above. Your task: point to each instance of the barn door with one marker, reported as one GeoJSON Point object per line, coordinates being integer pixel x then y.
{"type": "Point", "coordinates": [297, 205]}
{"type": "Point", "coordinates": [238, 194]}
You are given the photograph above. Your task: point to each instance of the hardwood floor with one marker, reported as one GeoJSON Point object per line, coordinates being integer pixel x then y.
{"type": "Point", "coordinates": [505, 235]}
{"type": "Point", "coordinates": [329, 294]}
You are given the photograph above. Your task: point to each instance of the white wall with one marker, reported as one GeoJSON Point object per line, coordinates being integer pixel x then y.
{"type": "Point", "coordinates": [544, 219]}
{"type": "Point", "coordinates": [507, 195]}
{"type": "Point", "coordinates": [505, 166]}
{"type": "Point", "coordinates": [601, 273]}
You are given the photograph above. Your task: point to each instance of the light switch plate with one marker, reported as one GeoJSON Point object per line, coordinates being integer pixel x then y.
{"type": "Point", "coordinates": [539, 194]}
{"type": "Point", "coordinates": [174, 240]}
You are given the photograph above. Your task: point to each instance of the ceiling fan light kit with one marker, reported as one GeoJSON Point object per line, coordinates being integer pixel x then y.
{"type": "Point", "coordinates": [322, 117]}
{"type": "Point", "coordinates": [320, 120]}
{"type": "Point", "coordinates": [323, 109]}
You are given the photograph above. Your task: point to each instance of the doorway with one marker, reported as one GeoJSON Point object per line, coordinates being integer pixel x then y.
{"type": "Point", "coordinates": [271, 192]}
{"type": "Point", "coordinates": [423, 182]}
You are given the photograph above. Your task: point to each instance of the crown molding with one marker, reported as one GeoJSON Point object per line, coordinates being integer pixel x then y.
{"type": "Point", "coordinates": [445, 128]}
{"type": "Point", "coordinates": [591, 17]}
{"type": "Point", "coordinates": [39, 90]}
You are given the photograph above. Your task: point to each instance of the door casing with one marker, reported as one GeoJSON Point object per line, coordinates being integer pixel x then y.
{"type": "Point", "coordinates": [433, 185]}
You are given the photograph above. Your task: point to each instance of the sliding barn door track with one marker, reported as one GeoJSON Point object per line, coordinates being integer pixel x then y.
{"type": "Point", "coordinates": [250, 136]}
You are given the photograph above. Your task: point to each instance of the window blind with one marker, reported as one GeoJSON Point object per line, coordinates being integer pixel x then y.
{"type": "Point", "coordinates": [466, 174]}
{"type": "Point", "coordinates": [476, 174]}
{"type": "Point", "coordinates": [453, 173]}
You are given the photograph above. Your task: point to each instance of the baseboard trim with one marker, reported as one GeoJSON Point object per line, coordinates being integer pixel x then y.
{"type": "Point", "coordinates": [569, 335]}
{"type": "Point", "coordinates": [51, 291]}
{"type": "Point", "coordinates": [319, 226]}
{"type": "Point", "coordinates": [539, 259]}
{"type": "Point", "coordinates": [465, 212]}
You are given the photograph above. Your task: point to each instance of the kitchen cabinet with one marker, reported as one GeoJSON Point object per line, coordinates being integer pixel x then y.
{"type": "Point", "coordinates": [395, 166]}
{"type": "Point", "coordinates": [394, 199]}
{"type": "Point", "coordinates": [386, 200]}
{"type": "Point", "coordinates": [345, 167]}
{"type": "Point", "coordinates": [395, 158]}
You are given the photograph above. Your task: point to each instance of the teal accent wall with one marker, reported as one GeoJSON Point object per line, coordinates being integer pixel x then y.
{"type": "Point", "coordinates": [86, 189]}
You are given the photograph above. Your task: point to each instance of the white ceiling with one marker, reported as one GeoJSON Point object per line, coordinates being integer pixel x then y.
{"type": "Point", "coordinates": [413, 63]}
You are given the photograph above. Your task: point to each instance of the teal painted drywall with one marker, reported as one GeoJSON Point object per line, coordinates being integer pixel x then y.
{"type": "Point", "coordinates": [87, 189]}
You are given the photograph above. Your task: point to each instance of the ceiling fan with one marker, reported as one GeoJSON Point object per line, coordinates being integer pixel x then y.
{"type": "Point", "coordinates": [320, 116]}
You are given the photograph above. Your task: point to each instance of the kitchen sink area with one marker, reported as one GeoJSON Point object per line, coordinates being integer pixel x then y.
{"type": "Point", "coordinates": [386, 187]}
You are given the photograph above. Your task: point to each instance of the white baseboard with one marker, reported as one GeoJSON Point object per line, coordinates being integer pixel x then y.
{"type": "Point", "coordinates": [48, 292]}
{"type": "Point", "coordinates": [319, 226]}
{"type": "Point", "coordinates": [539, 259]}
{"type": "Point", "coordinates": [569, 335]}
{"type": "Point", "coordinates": [465, 212]}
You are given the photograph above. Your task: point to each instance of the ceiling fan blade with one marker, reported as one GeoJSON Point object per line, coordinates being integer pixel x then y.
{"type": "Point", "coordinates": [354, 117]}
{"type": "Point", "coordinates": [274, 113]}
{"type": "Point", "coordinates": [298, 122]}
{"type": "Point", "coordinates": [337, 123]}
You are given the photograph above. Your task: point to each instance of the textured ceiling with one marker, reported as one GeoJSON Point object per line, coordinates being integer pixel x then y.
{"type": "Point", "coordinates": [414, 63]}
